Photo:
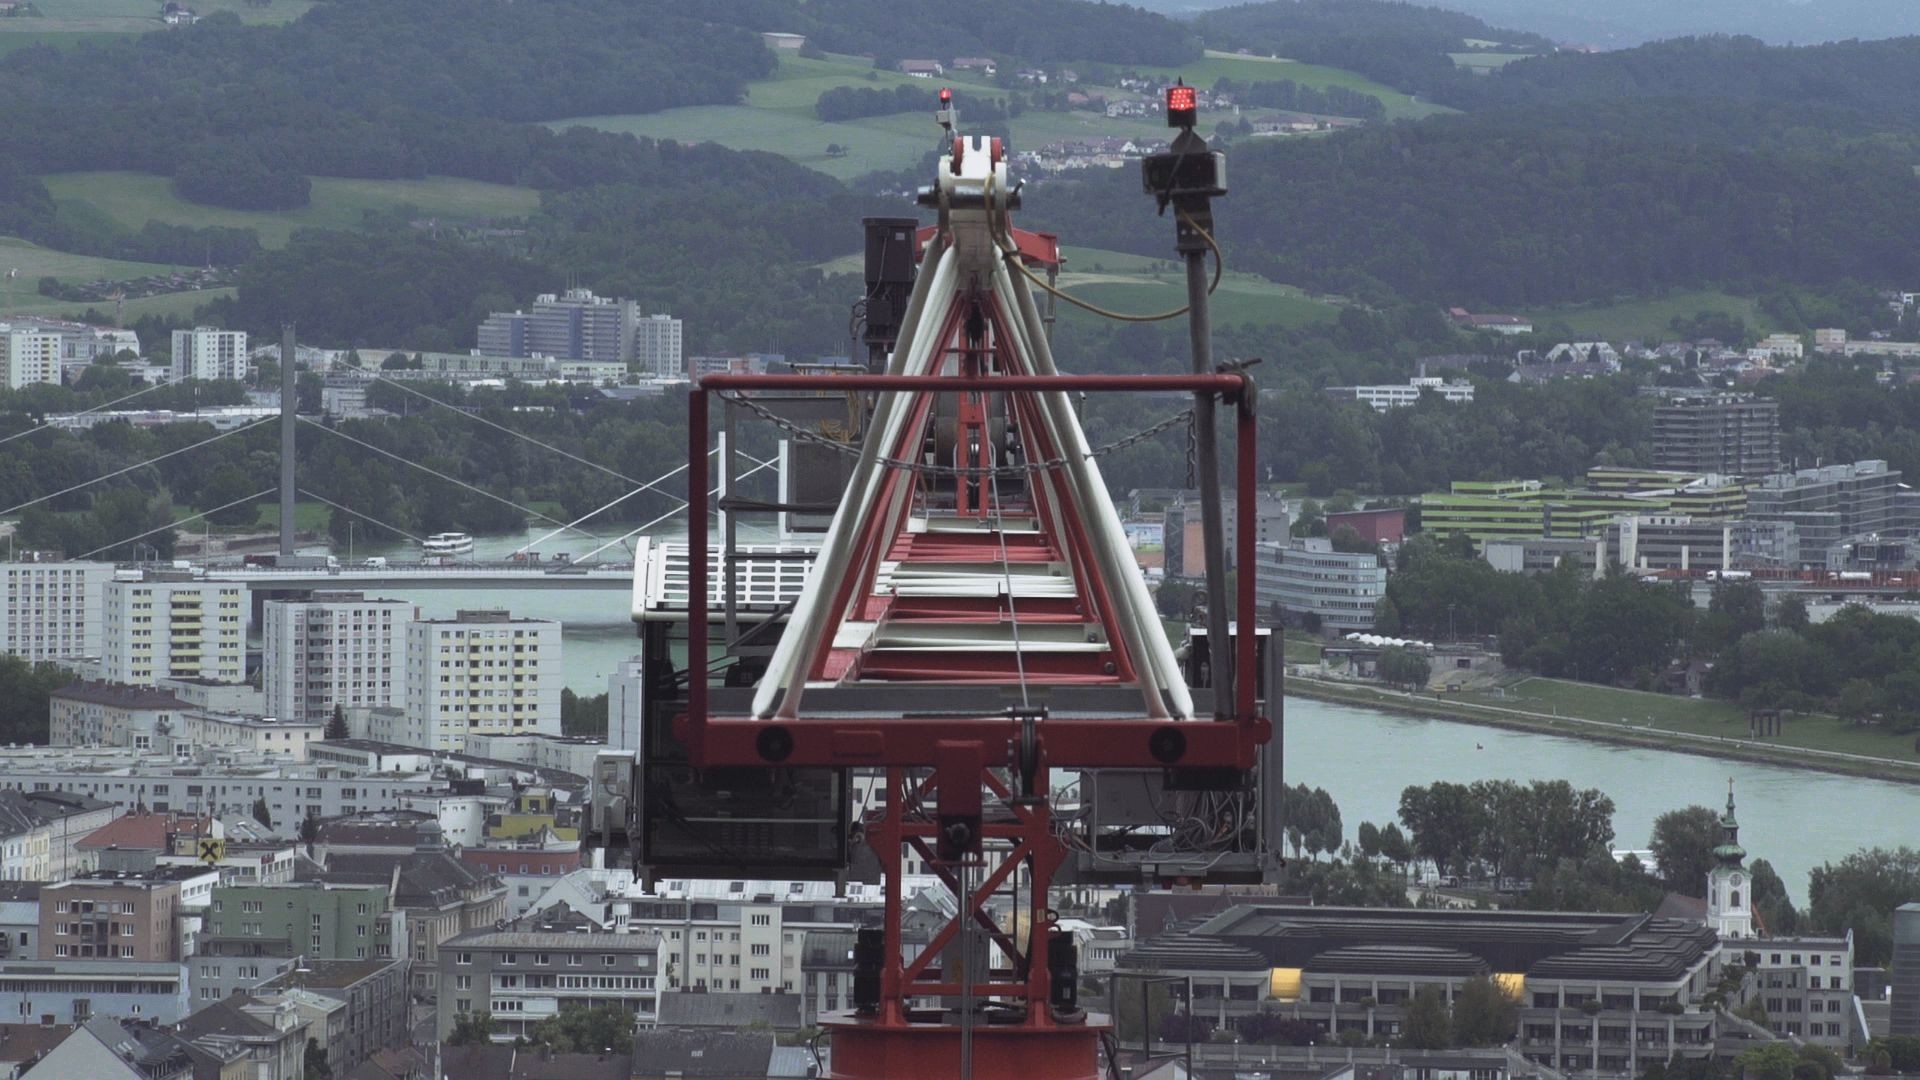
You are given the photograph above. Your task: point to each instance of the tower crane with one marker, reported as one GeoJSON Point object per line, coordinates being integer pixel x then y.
{"type": "Point", "coordinates": [972, 626]}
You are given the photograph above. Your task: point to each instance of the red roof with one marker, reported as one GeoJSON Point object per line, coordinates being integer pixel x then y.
{"type": "Point", "coordinates": [145, 832]}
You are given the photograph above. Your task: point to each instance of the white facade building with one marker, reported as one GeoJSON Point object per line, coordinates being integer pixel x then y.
{"type": "Point", "coordinates": [1308, 579]}
{"type": "Point", "coordinates": [255, 734]}
{"type": "Point", "coordinates": [50, 611]}
{"type": "Point", "coordinates": [1394, 396]}
{"type": "Point", "coordinates": [656, 347]}
{"type": "Point", "coordinates": [483, 672]}
{"type": "Point", "coordinates": [33, 356]}
{"type": "Point", "coordinates": [207, 353]}
{"type": "Point", "coordinates": [157, 627]}
{"type": "Point", "coordinates": [625, 690]}
{"type": "Point", "coordinates": [334, 649]}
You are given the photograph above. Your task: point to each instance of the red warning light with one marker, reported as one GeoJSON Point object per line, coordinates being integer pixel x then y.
{"type": "Point", "coordinates": [946, 96]}
{"type": "Point", "coordinates": [1183, 106]}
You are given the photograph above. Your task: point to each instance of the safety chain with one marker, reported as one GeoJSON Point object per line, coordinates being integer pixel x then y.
{"type": "Point", "coordinates": [1008, 471]}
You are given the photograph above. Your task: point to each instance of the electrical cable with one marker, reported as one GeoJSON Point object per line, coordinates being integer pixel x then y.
{"type": "Point", "coordinates": [178, 523]}
{"type": "Point", "coordinates": [758, 467]}
{"type": "Point", "coordinates": [449, 479]}
{"type": "Point", "coordinates": [140, 465]}
{"type": "Point", "coordinates": [516, 434]}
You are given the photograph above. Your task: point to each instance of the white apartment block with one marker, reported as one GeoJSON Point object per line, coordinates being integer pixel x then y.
{"type": "Point", "coordinates": [751, 948]}
{"type": "Point", "coordinates": [158, 627]}
{"type": "Point", "coordinates": [51, 611]}
{"type": "Point", "coordinates": [206, 353]}
{"type": "Point", "coordinates": [264, 735]}
{"type": "Point", "coordinates": [656, 347]}
{"type": "Point", "coordinates": [1394, 396]}
{"type": "Point", "coordinates": [33, 356]}
{"type": "Point", "coordinates": [483, 672]}
{"type": "Point", "coordinates": [333, 649]}
{"type": "Point", "coordinates": [113, 714]}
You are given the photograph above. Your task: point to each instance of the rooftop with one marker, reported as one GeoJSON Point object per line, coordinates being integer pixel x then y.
{"type": "Point", "coordinates": [644, 941]}
{"type": "Point", "coordinates": [118, 695]}
{"type": "Point", "coordinates": [329, 974]}
{"type": "Point", "coordinates": [730, 1011]}
{"type": "Point", "coordinates": [696, 1054]}
{"type": "Point", "coordinates": [146, 831]}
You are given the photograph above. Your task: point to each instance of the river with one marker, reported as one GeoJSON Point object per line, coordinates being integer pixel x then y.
{"type": "Point", "coordinates": [1796, 819]}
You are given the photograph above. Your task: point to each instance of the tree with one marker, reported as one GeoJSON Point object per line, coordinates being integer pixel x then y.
{"type": "Point", "coordinates": [310, 830]}
{"type": "Point", "coordinates": [1444, 819]}
{"type": "Point", "coordinates": [1791, 613]}
{"type": "Point", "coordinates": [1185, 1027]}
{"type": "Point", "coordinates": [577, 1029]}
{"type": "Point", "coordinates": [260, 812]}
{"type": "Point", "coordinates": [471, 1029]}
{"type": "Point", "coordinates": [1859, 893]}
{"type": "Point", "coordinates": [1369, 840]}
{"type": "Point", "coordinates": [1769, 1061]}
{"type": "Point", "coordinates": [1483, 1014]}
{"type": "Point", "coordinates": [1348, 539]}
{"type": "Point", "coordinates": [337, 724]}
{"type": "Point", "coordinates": [1427, 1025]}
{"type": "Point", "coordinates": [1682, 844]}
{"type": "Point", "coordinates": [1127, 1005]}
{"type": "Point", "coordinates": [1770, 900]}
{"type": "Point", "coordinates": [316, 1061]}
{"type": "Point", "coordinates": [1393, 845]}
{"type": "Point", "coordinates": [1404, 668]}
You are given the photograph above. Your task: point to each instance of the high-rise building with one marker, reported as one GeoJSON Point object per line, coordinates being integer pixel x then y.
{"type": "Point", "coordinates": [1307, 579]}
{"type": "Point", "coordinates": [1904, 1014]}
{"type": "Point", "coordinates": [656, 347]}
{"type": "Point", "coordinates": [51, 610]}
{"type": "Point", "coordinates": [1829, 504]}
{"type": "Point", "coordinates": [333, 649]}
{"type": "Point", "coordinates": [32, 356]}
{"type": "Point", "coordinates": [1729, 434]}
{"type": "Point", "coordinates": [483, 672]}
{"type": "Point", "coordinates": [207, 353]}
{"type": "Point", "coordinates": [169, 624]}
{"type": "Point", "coordinates": [574, 325]}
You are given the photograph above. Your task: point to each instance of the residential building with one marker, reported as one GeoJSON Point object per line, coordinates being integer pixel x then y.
{"type": "Point", "coordinates": [111, 915]}
{"type": "Point", "coordinates": [316, 919]}
{"type": "Point", "coordinates": [1904, 1015]}
{"type": "Point", "coordinates": [1598, 353]}
{"type": "Point", "coordinates": [265, 736]}
{"type": "Point", "coordinates": [32, 356]}
{"type": "Point", "coordinates": [626, 691]}
{"type": "Point", "coordinates": [440, 896]}
{"type": "Point", "coordinates": [1806, 986]}
{"type": "Point", "coordinates": [51, 610]}
{"type": "Point", "coordinates": [568, 753]}
{"type": "Point", "coordinates": [657, 347]}
{"type": "Point", "coordinates": [525, 976]}
{"type": "Point", "coordinates": [1728, 434]}
{"type": "Point", "coordinates": [207, 353]}
{"type": "Point", "coordinates": [1183, 538]}
{"type": "Point", "coordinates": [679, 1054]}
{"type": "Point", "coordinates": [1313, 584]}
{"type": "Point", "coordinates": [291, 790]}
{"type": "Point", "coordinates": [574, 325]}
{"type": "Point", "coordinates": [1394, 396]}
{"type": "Point", "coordinates": [167, 624]}
{"type": "Point", "coordinates": [1777, 347]}
{"type": "Point", "coordinates": [1540, 554]}
{"type": "Point", "coordinates": [729, 1011]}
{"type": "Point", "coordinates": [40, 832]}
{"type": "Point", "coordinates": [374, 993]}
{"type": "Point", "coordinates": [137, 839]}
{"type": "Point", "coordinates": [1606, 993]}
{"type": "Point", "coordinates": [222, 966]}
{"type": "Point", "coordinates": [483, 672]}
{"type": "Point", "coordinates": [826, 973]}
{"type": "Point", "coordinates": [143, 717]}
{"type": "Point", "coordinates": [1836, 341]}
{"type": "Point", "coordinates": [1511, 325]}
{"type": "Point", "coordinates": [333, 649]}
{"type": "Point", "coordinates": [743, 936]}
{"type": "Point", "coordinates": [19, 920]}
{"type": "Point", "coordinates": [23, 1046]}
{"type": "Point", "coordinates": [267, 1031]}
{"type": "Point", "coordinates": [71, 991]}
{"type": "Point", "coordinates": [105, 1048]}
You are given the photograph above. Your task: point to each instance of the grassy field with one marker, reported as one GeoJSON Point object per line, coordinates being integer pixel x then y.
{"type": "Point", "coordinates": [35, 262]}
{"type": "Point", "coordinates": [12, 39]}
{"type": "Point", "coordinates": [1665, 712]}
{"type": "Point", "coordinates": [798, 82]}
{"type": "Point", "coordinates": [1485, 61]}
{"type": "Point", "coordinates": [182, 304]}
{"type": "Point", "coordinates": [1628, 319]}
{"type": "Point", "coordinates": [1302, 649]}
{"type": "Point", "coordinates": [133, 199]}
{"type": "Point", "coordinates": [138, 16]}
{"type": "Point", "coordinates": [307, 516]}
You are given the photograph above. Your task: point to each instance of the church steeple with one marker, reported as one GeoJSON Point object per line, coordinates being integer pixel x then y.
{"type": "Point", "coordinates": [1729, 899]}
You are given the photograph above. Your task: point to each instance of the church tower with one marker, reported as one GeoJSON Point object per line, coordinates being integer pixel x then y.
{"type": "Point", "coordinates": [1729, 892]}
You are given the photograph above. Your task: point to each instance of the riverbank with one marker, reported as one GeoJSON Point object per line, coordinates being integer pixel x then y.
{"type": "Point", "coordinates": [1623, 734]}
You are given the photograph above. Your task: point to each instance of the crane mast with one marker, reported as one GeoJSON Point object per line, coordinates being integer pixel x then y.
{"type": "Point", "coordinates": [972, 626]}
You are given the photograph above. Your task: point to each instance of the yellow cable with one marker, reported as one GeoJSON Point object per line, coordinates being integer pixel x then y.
{"type": "Point", "coordinates": [1011, 253]}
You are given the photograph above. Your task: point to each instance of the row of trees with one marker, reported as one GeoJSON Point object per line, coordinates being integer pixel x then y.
{"type": "Point", "coordinates": [1289, 95]}
{"type": "Point", "coordinates": [1511, 829]}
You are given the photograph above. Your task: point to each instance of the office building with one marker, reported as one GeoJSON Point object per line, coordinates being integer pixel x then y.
{"type": "Point", "coordinates": [1904, 1018]}
{"type": "Point", "coordinates": [574, 325]}
{"type": "Point", "coordinates": [1306, 582]}
{"type": "Point", "coordinates": [656, 347]}
{"type": "Point", "coordinates": [1608, 993]}
{"type": "Point", "coordinates": [334, 649]}
{"type": "Point", "coordinates": [626, 690]}
{"type": "Point", "coordinates": [32, 356]}
{"type": "Point", "coordinates": [1396, 396]}
{"type": "Point", "coordinates": [1541, 554]}
{"type": "Point", "coordinates": [170, 625]}
{"type": "Point", "coordinates": [316, 919]}
{"type": "Point", "coordinates": [1671, 542]}
{"type": "Point", "coordinates": [206, 353]}
{"type": "Point", "coordinates": [1728, 434]}
{"type": "Point", "coordinates": [1829, 505]}
{"type": "Point", "coordinates": [51, 610]}
{"type": "Point", "coordinates": [483, 672]}
{"type": "Point", "coordinates": [525, 976]}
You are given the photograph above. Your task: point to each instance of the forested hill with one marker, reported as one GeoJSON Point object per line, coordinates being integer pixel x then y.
{"type": "Point", "coordinates": [1535, 206]}
{"type": "Point", "coordinates": [1039, 31]}
{"type": "Point", "coordinates": [1878, 79]}
{"type": "Point", "coordinates": [1631, 22]}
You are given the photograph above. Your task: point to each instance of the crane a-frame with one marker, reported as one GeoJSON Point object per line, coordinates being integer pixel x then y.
{"type": "Point", "coordinates": [973, 623]}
